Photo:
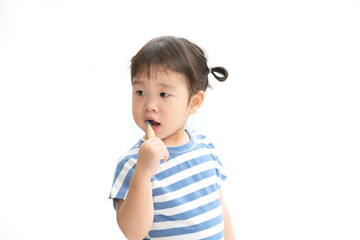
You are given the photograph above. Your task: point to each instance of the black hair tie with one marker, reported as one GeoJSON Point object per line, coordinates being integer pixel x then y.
{"type": "Point", "coordinates": [219, 70]}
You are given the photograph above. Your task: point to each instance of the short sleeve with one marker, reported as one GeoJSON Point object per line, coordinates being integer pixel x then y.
{"type": "Point", "coordinates": [220, 172]}
{"type": "Point", "coordinates": [219, 167]}
{"type": "Point", "coordinates": [122, 178]}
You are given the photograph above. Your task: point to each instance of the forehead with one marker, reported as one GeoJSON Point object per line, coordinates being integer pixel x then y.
{"type": "Point", "coordinates": [160, 75]}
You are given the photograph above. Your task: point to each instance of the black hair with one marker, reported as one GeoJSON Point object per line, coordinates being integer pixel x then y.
{"type": "Point", "coordinates": [179, 55]}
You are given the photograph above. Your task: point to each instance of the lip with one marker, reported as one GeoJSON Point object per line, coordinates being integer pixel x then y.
{"type": "Point", "coordinates": [149, 119]}
{"type": "Point", "coordinates": [154, 127]}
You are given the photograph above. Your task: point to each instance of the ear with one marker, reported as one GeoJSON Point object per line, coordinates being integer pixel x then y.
{"type": "Point", "coordinates": [196, 101]}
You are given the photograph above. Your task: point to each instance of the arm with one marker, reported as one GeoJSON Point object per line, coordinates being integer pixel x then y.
{"type": "Point", "coordinates": [229, 233]}
{"type": "Point", "coordinates": [135, 214]}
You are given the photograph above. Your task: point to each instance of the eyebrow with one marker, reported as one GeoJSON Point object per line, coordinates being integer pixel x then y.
{"type": "Point", "coordinates": [137, 82]}
{"type": "Point", "coordinates": [167, 85]}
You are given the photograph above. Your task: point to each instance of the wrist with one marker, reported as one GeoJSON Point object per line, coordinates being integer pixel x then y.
{"type": "Point", "coordinates": [141, 175]}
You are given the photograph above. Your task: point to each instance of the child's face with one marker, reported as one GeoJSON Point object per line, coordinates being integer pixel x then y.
{"type": "Point", "coordinates": [164, 100]}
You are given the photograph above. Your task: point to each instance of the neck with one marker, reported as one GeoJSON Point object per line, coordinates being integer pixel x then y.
{"type": "Point", "coordinates": [179, 138]}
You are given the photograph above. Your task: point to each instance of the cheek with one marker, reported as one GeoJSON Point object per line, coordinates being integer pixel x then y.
{"type": "Point", "coordinates": [179, 110]}
{"type": "Point", "coordinates": [136, 110]}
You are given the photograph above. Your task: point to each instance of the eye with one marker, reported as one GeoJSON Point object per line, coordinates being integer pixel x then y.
{"type": "Point", "coordinates": [140, 93]}
{"type": "Point", "coordinates": [164, 95]}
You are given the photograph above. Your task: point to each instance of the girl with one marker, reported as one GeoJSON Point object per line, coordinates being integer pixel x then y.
{"type": "Point", "coordinates": [178, 197]}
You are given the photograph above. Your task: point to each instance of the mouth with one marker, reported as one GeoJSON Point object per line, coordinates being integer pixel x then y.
{"type": "Point", "coordinates": [154, 125]}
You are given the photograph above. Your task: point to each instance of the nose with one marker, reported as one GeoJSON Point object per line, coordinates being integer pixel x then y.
{"type": "Point", "coordinates": [151, 106]}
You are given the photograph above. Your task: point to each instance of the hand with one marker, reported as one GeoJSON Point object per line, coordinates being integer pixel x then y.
{"type": "Point", "coordinates": [150, 153]}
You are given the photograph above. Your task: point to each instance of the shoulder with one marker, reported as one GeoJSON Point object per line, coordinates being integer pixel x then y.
{"type": "Point", "coordinates": [133, 151]}
{"type": "Point", "coordinates": [123, 172]}
{"type": "Point", "coordinates": [129, 157]}
{"type": "Point", "coordinates": [202, 139]}
{"type": "Point", "coordinates": [205, 147]}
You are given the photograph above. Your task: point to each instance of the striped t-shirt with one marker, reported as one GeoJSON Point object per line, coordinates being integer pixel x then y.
{"type": "Point", "coordinates": [185, 190]}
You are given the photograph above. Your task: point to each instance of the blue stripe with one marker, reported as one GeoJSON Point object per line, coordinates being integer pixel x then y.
{"type": "Point", "coordinates": [189, 214]}
{"type": "Point", "coordinates": [219, 174]}
{"type": "Point", "coordinates": [186, 230]}
{"type": "Point", "coordinates": [200, 136]}
{"type": "Point", "coordinates": [184, 166]}
{"type": "Point", "coordinates": [125, 186]}
{"type": "Point", "coordinates": [218, 161]}
{"type": "Point", "coordinates": [203, 145]}
{"type": "Point", "coordinates": [188, 198]}
{"type": "Point", "coordinates": [195, 147]}
{"type": "Point", "coordinates": [184, 182]}
{"type": "Point", "coordinates": [222, 177]}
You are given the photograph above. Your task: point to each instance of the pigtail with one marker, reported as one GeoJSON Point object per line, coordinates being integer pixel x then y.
{"type": "Point", "coordinates": [215, 71]}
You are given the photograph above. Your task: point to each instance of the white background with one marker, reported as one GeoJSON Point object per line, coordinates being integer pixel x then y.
{"type": "Point", "coordinates": [285, 123]}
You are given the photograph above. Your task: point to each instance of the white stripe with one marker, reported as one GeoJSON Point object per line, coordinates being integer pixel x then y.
{"type": "Point", "coordinates": [189, 205]}
{"type": "Point", "coordinates": [128, 153]}
{"type": "Point", "coordinates": [198, 235]}
{"type": "Point", "coordinates": [183, 174]}
{"type": "Point", "coordinates": [120, 179]}
{"type": "Point", "coordinates": [188, 222]}
{"type": "Point", "coordinates": [186, 190]}
{"type": "Point", "coordinates": [221, 168]}
{"type": "Point", "coordinates": [183, 158]}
